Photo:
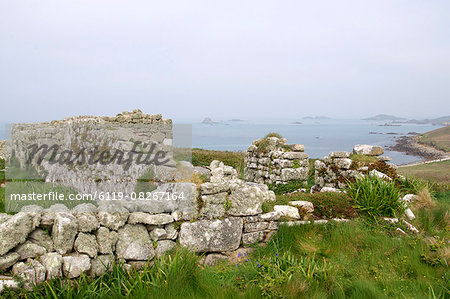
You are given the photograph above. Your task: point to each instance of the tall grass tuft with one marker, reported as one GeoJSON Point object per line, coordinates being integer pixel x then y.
{"type": "Point", "coordinates": [376, 197]}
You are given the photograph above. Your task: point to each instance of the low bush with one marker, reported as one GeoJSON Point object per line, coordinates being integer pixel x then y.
{"type": "Point", "coordinates": [376, 197]}
{"type": "Point", "coordinates": [333, 205]}
{"type": "Point", "coordinates": [273, 135]}
{"type": "Point", "coordinates": [385, 168]}
{"type": "Point", "coordinates": [327, 205]}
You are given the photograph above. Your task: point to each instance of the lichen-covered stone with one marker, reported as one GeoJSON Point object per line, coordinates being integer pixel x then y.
{"type": "Point", "coordinates": [42, 238]}
{"type": "Point", "coordinates": [294, 174]}
{"type": "Point", "coordinates": [8, 260]}
{"type": "Point", "coordinates": [287, 211]}
{"type": "Point", "coordinates": [339, 154]}
{"type": "Point", "coordinates": [86, 218]}
{"type": "Point", "coordinates": [30, 250]}
{"type": "Point", "coordinates": [270, 216]}
{"type": "Point", "coordinates": [106, 240]}
{"type": "Point", "coordinates": [65, 229]}
{"type": "Point", "coordinates": [214, 188]}
{"type": "Point", "coordinates": [255, 226]}
{"type": "Point", "coordinates": [343, 163]}
{"type": "Point", "coordinates": [32, 272]}
{"type": "Point", "coordinates": [172, 233]}
{"type": "Point", "coordinates": [369, 150]}
{"type": "Point", "coordinates": [163, 246]}
{"type": "Point", "coordinates": [144, 218]}
{"type": "Point", "coordinates": [100, 264]}
{"type": "Point", "coordinates": [213, 205]}
{"type": "Point", "coordinates": [247, 198]}
{"type": "Point", "coordinates": [53, 263]}
{"type": "Point", "coordinates": [134, 243]}
{"type": "Point", "coordinates": [112, 216]}
{"type": "Point", "coordinates": [75, 264]}
{"type": "Point", "coordinates": [35, 211]}
{"type": "Point", "coordinates": [253, 237]}
{"type": "Point", "coordinates": [48, 215]}
{"type": "Point", "coordinates": [14, 231]}
{"type": "Point", "coordinates": [158, 234]}
{"type": "Point", "coordinates": [86, 243]}
{"type": "Point", "coordinates": [212, 235]}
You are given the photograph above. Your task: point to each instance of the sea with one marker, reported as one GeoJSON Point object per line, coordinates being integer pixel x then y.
{"type": "Point", "coordinates": [320, 137]}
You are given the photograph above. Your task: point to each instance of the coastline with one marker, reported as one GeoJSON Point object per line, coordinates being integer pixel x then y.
{"type": "Point", "coordinates": [410, 145]}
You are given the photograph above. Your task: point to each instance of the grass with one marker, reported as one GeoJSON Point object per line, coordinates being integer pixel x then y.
{"type": "Point", "coordinates": [376, 197]}
{"type": "Point", "coordinates": [291, 186]}
{"type": "Point", "coordinates": [327, 205]}
{"type": "Point", "coordinates": [201, 157]}
{"type": "Point", "coordinates": [363, 160]}
{"type": "Point", "coordinates": [359, 259]}
{"type": "Point", "coordinates": [435, 172]}
{"type": "Point", "coordinates": [439, 138]}
{"type": "Point", "coordinates": [364, 258]}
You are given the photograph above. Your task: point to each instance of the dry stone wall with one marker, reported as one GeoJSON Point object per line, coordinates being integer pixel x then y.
{"type": "Point", "coordinates": [225, 217]}
{"type": "Point", "coordinates": [272, 161]}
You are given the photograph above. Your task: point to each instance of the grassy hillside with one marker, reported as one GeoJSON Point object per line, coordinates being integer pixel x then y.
{"type": "Point", "coordinates": [439, 138]}
{"type": "Point", "coordinates": [436, 172]}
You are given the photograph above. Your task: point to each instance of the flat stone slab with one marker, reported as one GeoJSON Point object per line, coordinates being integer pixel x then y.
{"type": "Point", "coordinates": [212, 235]}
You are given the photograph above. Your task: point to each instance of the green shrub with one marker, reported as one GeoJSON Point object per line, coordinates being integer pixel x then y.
{"type": "Point", "coordinates": [376, 197]}
{"type": "Point", "coordinates": [273, 135]}
{"type": "Point", "coordinates": [2, 164]}
{"type": "Point", "coordinates": [383, 167]}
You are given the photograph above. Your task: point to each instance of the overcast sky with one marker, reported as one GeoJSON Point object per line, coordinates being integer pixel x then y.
{"type": "Point", "coordinates": [224, 59]}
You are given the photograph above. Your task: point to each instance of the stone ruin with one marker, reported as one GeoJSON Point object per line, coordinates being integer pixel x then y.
{"type": "Point", "coordinates": [111, 134]}
{"type": "Point", "coordinates": [220, 218]}
{"type": "Point", "coordinates": [333, 171]}
{"type": "Point", "coordinates": [272, 161]}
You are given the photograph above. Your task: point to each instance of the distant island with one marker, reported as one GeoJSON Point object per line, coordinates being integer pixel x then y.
{"type": "Point", "coordinates": [440, 121]}
{"type": "Point", "coordinates": [236, 120]}
{"type": "Point", "coordinates": [316, 117]}
{"type": "Point", "coordinates": [384, 117]}
{"type": "Point", "coordinates": [208, 121]}
{"type": "Point", "coordinates": [297, 123]}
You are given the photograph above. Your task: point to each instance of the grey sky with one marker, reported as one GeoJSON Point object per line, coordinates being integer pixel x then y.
{"type": "Point", "coordinates": [224, 59]}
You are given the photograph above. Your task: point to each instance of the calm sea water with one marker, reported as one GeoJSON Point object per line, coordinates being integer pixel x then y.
{"type": "Point", "coordinates": [319, 137]}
